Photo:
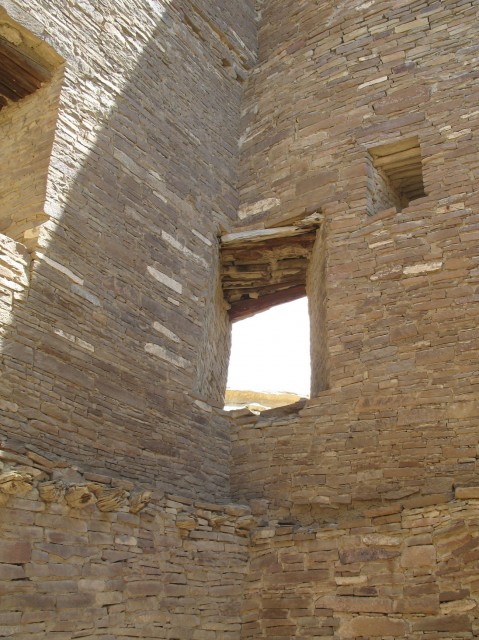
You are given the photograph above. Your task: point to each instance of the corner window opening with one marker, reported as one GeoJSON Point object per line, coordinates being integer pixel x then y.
{"type": "Point", "coordinates": [270, 363]}
{"type": "Point", "coordinates": [272, 281]}
{"type": "Point", "coordinates": [396, 175]}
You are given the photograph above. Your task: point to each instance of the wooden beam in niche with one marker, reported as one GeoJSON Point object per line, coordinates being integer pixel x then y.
{"type": "Point", "coordinates": [20, 74]}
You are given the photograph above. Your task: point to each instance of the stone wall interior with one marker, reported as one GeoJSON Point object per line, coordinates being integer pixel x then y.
{"type": "Point", "coordinates": [167, 168]}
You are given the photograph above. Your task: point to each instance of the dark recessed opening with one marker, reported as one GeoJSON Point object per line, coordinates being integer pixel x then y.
{"type": "Point", "coordinates": [20, 74]}
{"type": "Point", "coordinates": [396, 175]}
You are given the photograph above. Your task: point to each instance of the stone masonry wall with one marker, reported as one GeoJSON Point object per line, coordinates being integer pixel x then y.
{"type": "Point", "coordinates": [117, 519]}
{"type": "Point", "coordinates": [358, 76]}
{"type": "Point", "coordinates": [400, 288]}
{"type": "Point", "coordinates": [106, 320]}
{"type": "Point", "coordinates": [103, 353]}
{"type": "Point", "coordinates": [99, 569]}
{"type": "Point", "coordinates": [408, 426]}
{"type": "Point", "coordinates": [384, 574]}
{"type": "Point", "coordinates": [341, 454]}
{"type": "Point", "coordinates": [317, 306]}
{"type": "Point", "coordinates": [15, 264]}
{"type": "Point", "coordinates": [367, 537]}
{"type": "Point", "coordinates": [373, 74]}
{"type": "Point", "coordinates": [381, 194]}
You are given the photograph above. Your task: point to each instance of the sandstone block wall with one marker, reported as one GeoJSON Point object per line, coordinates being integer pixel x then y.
{"type": "Point", "coordinates": [27, 129]}
{"type": "Point", "coordinates": [386, 444]}
{"type": "Point", "coordinates": [362, 505]}
{"type": "Point", "coordinates": [385, 574]}
{"type": "Point", "coordinates": [105, 353]}
{"type": "Point", "coordinates": [35, 71]}
{"type": "Point", "coordinates": [339, 455]}
{"type": "Point", "coordinates": [114, 335]}
{"type": "Point", "coordinates": [396, 306]}
{"type": "Point", "coordinates": [360, 77]}
{"type": "Point", "coordinates": [100, 570]}
{"type": "Point", "coordinates": [405, 426]}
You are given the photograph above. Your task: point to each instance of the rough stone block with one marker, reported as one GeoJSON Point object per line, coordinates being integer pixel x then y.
{"type": "Point", "coordinates": [421, 556]}
{"type": "Point", "coordinates": [12, 552]}
{"type": "Point", "coordinates": [366, 554]}
{"type": "Point", "coordinates": [444, 624]}
{"type": "Point", "coordinates": [467, 493]}
{"type": "Point", "coordinates": [375, 627]}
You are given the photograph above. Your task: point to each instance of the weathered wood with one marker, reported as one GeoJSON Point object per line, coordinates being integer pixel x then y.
{"type": "Point", "coordinates": [9, 93]}
{"type": "Point", "coordinates": [264, 267]}
{"type": "Point", "coordinates": [247, 308]}
{"type": "Point", "coordinates": [260, 291]}
{"type": "Point", "coordinates": [20, 74]}
{"type": "Point", "coordinates": [26, 62]}
{"type": "Point", "coordinates": [245, 251]}
{"type": "Point", "coordinates": [258, 235]}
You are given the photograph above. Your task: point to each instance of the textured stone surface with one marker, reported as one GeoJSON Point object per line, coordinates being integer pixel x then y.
{"type": "Point", "coordinates": [421, 556]}
{"type": "Point", "coordinates": [28, 128]}
{"type": "Point", "coordinates": [466, 493]}
{"type": "Point", "coordinates": [86, 570]}
{"type": "Point", "coordinates": [124, 314]}
{"type": "Point", "coordinates": [115, 336]}
{"type": "Point", "coordinates": [14, 552]}
{"type": "Point", "coordinates": [379, 595]}
{"type": "Point", "coordinates": [375, 627]}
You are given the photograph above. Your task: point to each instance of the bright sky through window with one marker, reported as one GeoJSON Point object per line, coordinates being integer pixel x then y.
{"type": "Point", "coordinates": [270, 351]}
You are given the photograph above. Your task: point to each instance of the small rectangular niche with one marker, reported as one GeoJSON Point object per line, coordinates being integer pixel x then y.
{"type": "Point", "coordinates": [396, 175]}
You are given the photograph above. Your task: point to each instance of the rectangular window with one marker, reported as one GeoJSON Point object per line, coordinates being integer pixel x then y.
{"type": "Point", "coordinates": [263, 268]}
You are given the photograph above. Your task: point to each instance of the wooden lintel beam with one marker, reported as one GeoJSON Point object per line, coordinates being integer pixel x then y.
{"type": "Point", "coordinates": [250, 256]}
{"type": "Point", "coordinates": [246, 308]}
{"type": "Point", "coordinates": [12, 93]}
{"type": "Point", "coordinates": [264, 235]}
{"type": "Point", "coordinates": [304, 239]}
{"type": "Point", "coordinates": [17, 75]}
{"type": "Point", "coordinates": [236, 295]}
{"type": "Point", "coordinates": [25, 61]}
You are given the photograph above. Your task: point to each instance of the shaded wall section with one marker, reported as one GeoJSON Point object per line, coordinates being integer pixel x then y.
{"type": "Point", "coordinates": [27, 129]}
{"type": "Point", "coordinates": [101, 349]}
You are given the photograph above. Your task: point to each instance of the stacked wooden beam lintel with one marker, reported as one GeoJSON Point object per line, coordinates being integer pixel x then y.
{"type": "Point", "coordinates": [265, 267]}
{"type": "Point", "coordinates": [20, 73]}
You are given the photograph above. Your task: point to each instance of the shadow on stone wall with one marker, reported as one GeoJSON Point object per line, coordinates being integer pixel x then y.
{"type": "Point", "coordinates": [101, 355]}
